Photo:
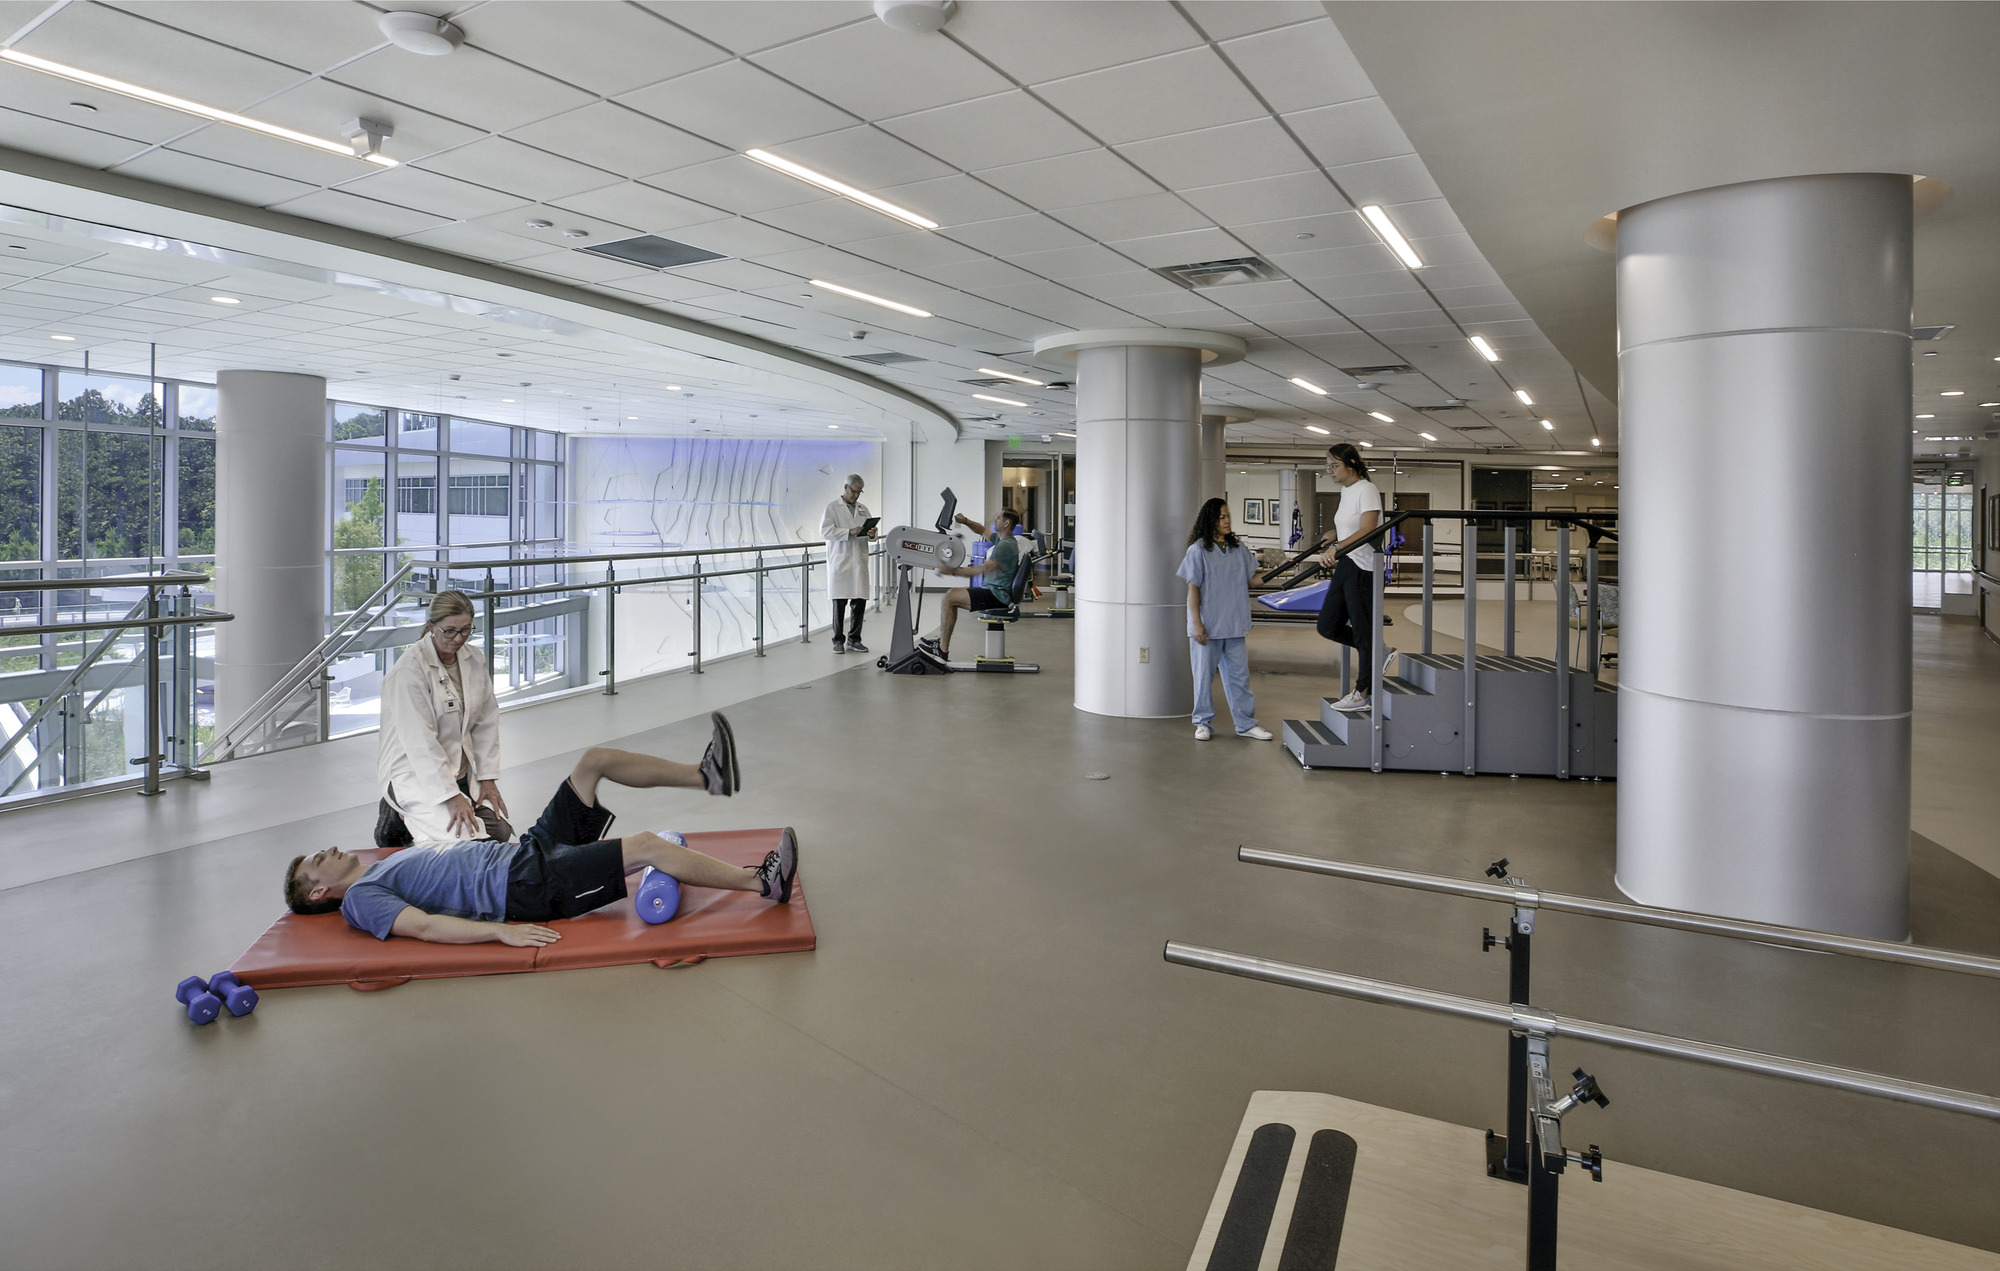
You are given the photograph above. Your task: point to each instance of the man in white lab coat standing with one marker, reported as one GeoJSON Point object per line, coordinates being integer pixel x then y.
{"type": "Point", "coordinates": [846, 529]}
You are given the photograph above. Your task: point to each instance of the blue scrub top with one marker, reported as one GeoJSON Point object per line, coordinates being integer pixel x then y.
{"type": "Point", "coordinates": [1223, 574]}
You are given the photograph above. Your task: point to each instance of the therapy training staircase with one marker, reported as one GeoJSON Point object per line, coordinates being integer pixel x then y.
{"type": "Point", "coordinates": [1517, 716]}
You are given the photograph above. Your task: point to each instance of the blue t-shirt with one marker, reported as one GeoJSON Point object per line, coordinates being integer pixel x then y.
{"type": "Point", "coordinates": [1223, 574]}
{"type": "Point", "coordinates": [465, 880]}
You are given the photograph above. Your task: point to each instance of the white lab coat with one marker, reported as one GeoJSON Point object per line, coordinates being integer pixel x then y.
{"type": "Point", "coordinates": [428, 733]}
{"type": "Point", "coordinates": [846, 555]}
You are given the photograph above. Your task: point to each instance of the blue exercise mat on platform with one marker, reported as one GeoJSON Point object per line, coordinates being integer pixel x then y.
{"type": "Point", "coordinates": [1305, 599]}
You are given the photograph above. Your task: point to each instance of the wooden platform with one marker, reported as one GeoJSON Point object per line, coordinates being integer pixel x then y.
{"type": "Point", "coordinates": [1420, 1200]}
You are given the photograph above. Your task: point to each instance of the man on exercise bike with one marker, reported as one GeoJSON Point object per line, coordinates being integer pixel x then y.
{"type": "Point", "coordinates": [997, 591]}
{"type": "Point", "coordinates": [480, 892]}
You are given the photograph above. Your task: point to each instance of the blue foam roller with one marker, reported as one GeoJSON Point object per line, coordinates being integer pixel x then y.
{"type": "Point", "coordinates": [659, 896]}
{"type": "Point", "coordinates": [239, 997]}
{"type": "Point", "coordinates": [202, 1005]}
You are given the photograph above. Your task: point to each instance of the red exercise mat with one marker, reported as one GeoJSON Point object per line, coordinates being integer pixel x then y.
{"type": "Point", "coordinates": [304, 949]}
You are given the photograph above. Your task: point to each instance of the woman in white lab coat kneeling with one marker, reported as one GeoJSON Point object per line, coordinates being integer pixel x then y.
{"type": "Point", "coordinates": [440, 736]}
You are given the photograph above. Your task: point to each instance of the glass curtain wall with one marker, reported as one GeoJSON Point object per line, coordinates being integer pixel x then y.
{"type": "Point", "coordinates": [451, 495]}
{"type": "Point", "coordinates": [1940, 543]}
{"type": "Point", "coordinates": [99, 475]}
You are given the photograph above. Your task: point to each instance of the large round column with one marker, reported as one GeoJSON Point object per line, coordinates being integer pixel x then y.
{"type": "Point", "coordinates": [270, 529]}
{"type": "Point", "coordinates": [1214, 457]}
{"type": "Point", "coordinates": [1138, 487]}
{"type": "Point", "coordinates": [1764, 679]}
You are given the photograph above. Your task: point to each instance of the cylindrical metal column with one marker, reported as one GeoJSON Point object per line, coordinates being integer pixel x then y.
{"type": "Point", "coordinates": [1214, 458]}
{"type": "Point", "coordinates": [1764, 726]}
{"type": "Point", "coordinates": [1138, 451]}
{"type": "Point", "coordinates": [270, 529]}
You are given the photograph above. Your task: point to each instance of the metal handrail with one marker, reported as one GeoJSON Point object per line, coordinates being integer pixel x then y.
{"type": "Point", "coordinates": [55, 696]}
{"type": "Point", "coordinates": [1523, 896]}
{"type": "Point", "coordinates": [199, 618]}
{"type": "Point", "coordinates": [170, 578]}
{"type": "Point", "coordinates": [1532, 1021]}
{"type": "Point", "coordinates": [515, 561]}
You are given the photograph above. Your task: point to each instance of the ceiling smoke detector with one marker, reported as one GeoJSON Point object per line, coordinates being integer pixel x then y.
{"type": "Point", "coordinates": [1220, 273]}
{"type": "Point", "coordinates": [915, 17]}
{"type": "Point", "coordinates": [421, 33]}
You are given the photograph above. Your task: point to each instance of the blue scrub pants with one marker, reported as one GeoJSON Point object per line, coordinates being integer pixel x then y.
{"type": "Point", "coordinates": [1232, 658]}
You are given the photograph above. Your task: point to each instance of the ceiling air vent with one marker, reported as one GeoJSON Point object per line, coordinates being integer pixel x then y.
{"type": "Point", "coordinates": [884, 359]}
{"type": "Point", "coordinates": [1399, 368]}
{"type": "Point", "coordinates": [1931, 333]}
{"type": "Point", "coordinates": [654, 251]}
{"type": "Point", "coordinates": [1450, 405]}
{"type": "Point", "coordinates": [1220, 273]}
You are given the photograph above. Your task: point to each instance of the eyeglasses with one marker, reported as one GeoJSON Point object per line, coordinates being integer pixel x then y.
{"type": "Point", "coordinates": [454, 633]}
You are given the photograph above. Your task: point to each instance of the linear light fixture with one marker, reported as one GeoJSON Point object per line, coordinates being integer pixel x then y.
{"type": "Point", "coordinates": [1004, 401]}
{"type": "Point", "coordinates": [1070, 435]}
{"type": "Point", "coordinates": [841, 188]}
{"type": "Point", "coordinates": [1485, 349]}
{"type": "Point", "coordinates": [1376, 414]}
{"type": "Point", "coordinates": [1546, 424]}
{"type": "Point", "coordinates": [1426, 436]}
{"type": "Point", "coordinates": [1392, 236]}
{"type": "Point", "coordinates": [1526, 400]}
{"type": "Point", "coordinates": [1368, 445]}
{"type": "Point", "coordinates": [225, 300]}
{"type": "Point", "coordinates": [1009, 375]}
{"type": "Point", "coordinates": [71, 338]}
{"type": "Point", "coordinates": [1309, 386]}
{"type": "Point", "coordinates": [1983, 405]}
{"type": "Point", "coordinates": [76, 75]}
{"type": "Point", "coordinates": [873, 300]}
{"type": "Point", "coordinates": [1952, 392]}
{"type": "Point", "coordinates": [1316, 428]}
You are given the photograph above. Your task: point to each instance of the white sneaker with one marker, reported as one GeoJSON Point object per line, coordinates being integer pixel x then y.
{"type": "Point", "coordinates": [1355, 701]}
{"type": "Point", "coordinates": [1259, 733]}
{"type": "Point", "coordinates": [1388, 656]}
{"type": "Point", "coordinates": [1202, 732]}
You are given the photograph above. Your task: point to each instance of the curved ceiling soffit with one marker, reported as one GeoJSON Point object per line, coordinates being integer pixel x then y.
{"type": "Point", "coordinates": [51, 195]}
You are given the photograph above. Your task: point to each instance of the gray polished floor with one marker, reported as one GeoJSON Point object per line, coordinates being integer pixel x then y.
{"type": "Point", "coordinates": [985, 1064]}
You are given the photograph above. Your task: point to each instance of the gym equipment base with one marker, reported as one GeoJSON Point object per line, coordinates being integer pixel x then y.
{"type": "Point", "coordinates": [300, 949]}
{"type": "Point", "coordinates": [1412, 1194]}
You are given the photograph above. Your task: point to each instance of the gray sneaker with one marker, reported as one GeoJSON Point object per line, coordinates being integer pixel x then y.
{"type": "Point", "coordinates": [839, 645]}
{"type": "Point", "coordinates": [775, 875]}
{"type": "Point", "coordinates": [719, 774]}
{"type": "Point", "coordinates": [855, 646]}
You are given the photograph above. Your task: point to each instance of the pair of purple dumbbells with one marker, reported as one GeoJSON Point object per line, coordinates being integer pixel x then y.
{"type": "Point", "coordinates": [205, 999]}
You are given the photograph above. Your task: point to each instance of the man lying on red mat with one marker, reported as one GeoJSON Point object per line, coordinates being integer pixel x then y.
{"type": "Point", "coordinates": [477, 892]}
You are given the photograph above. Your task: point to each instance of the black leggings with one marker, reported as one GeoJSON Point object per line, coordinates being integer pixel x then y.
{"type": "Point", "coordinates": [1349, 610]}
{"type": "Point", "coordinates": [841, 620]}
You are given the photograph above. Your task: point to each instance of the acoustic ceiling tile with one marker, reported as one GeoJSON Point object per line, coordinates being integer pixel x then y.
{"type": "Point", "coordinates": [1017, 235]}
{"type": "Point", "coordinates": [126, 47]}
{"type": "Point", "coordinates": [1300, 67]}
{"type": "Point", "coordinates": [268, 154]}
{"type": "Point", "coordinates": [641, 206]}
{"type": "Point", "coordinates": [977, 276]}
{"type": "Point", "coordinates": [1220, 156]}
{"type": "Point", "coordinates": [31, 95]}
{"type": "Point", "coordinates": [471, 86]}
{"type": "Point", "coordinates": [208, 176]}
{"type": "Point", "coordinates": [736, 236]}
{"type": "Point", "coordinates": [355, 212]}
{"type": "Point", "coordinates": [1128, 284]}
{"type": "Point", "coordinates": [1078, 261]}
{"type": "Point", "coordinates": [60, 140]}
{"type": "Point", "coordinates": [865, 158]}
{"type": "Point", "coordinates": [1087, 176]}
{"type": "Point", "coordinates": [739, 185]}
{"type": "Point", "coordinates": [1351, 132]}
{"type": "Point", "coordinates": [819, 262]}
{"type": "Point", "coordinates": [877, 72]}
{"type": "Point", "coordinates": [607, 48]}
{"type": "Point", "coordinates": [1329, 269]}
{"type": "Point", "coordinates": [1279, 237]}
{"type": "Point", "coordinates": [1227, 19]}
{"type": "Point", "coordinates": [1349, 284]}
{"type": "Point", "coordinates": [1161, 251]}
{"type": "Point", "coordinates": [739, 106]}
{"type": "Point", "coordinates": [1040, 40]}
{"type": "Point", "coordinates": [1005, 128]}
{"type": "Point", "coordinates": [954, 200]}
{"type": "Point", "coordinates": [738, 275]}
{"type": "Point", "coordinates": [1297, 196]}
{"type": "Point", "coordinates": [1386, 181]}
{"type": "Point", "coordinates": [746, 28]}
{"type": "Point", "coordinates": [1181, 92]}
{"type": "Point", "coordinates": [919, 252]}
{"type": "Point", "coordinates": [835, 221]}
{"type": "Point", "coordinates": [317, 105]}
{"type": "Point", "coordinates": [430, 192]}
{"type": "Point", "coordinates": [618, 139]}
{"type": "Point", "coordinates": [1141, 217]}
{"type": "Point", "coordinates": [312, 37]}
{"type": "Point", "coordinates": [504, 164]}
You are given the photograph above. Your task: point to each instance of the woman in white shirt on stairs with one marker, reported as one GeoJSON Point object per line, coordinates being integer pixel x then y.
{"type": "Point", "coordinates": [1347, 616]}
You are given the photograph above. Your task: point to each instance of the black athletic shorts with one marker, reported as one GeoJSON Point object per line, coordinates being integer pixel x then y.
{"type": "Point", "coordinates": [982, 598]}
{"type": "Point", "coordinates": [564, 867]}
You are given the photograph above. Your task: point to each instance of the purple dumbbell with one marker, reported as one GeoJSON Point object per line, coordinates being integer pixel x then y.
{"type": "Point", "coordinates": [239, 997]}
{"type": "Point", "coordinates": [202, 1005]}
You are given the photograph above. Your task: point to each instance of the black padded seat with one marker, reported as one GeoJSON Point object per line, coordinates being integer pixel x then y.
{"type": "Point", "coordinates": [1023, 579]}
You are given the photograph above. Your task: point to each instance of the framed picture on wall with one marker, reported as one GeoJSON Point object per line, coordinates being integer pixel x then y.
{"type": "Point", "coordinates": [1253, 511]}
{"type": "Point", "coordinates": [1552, 524]}
{"type": "Point", "coordinates": [1274, 511]}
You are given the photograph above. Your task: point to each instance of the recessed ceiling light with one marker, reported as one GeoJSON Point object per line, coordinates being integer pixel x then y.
{"type": "Point", "coordinates": [1309, 386]}
{"type": "Point", "coordinates": [62, 337]}
{"type": "Point", "coordinates": [181, 104]}
{"type": "Point", "coordinates": [873, 300]}
{"type": "Point", "coordinates": [1316, 428]}
{"type": "Point", "coordinates": [1986, 404]}
{"type": "Point", "coordinates": [833, 425]}
{"type": "Point", "coordinates": [631, 417]}
{"type": "Point", "coordinates": [1004, 401]}
{"type": "Point", "coordinates": [1376, 414]}
{"type": "Point", "coordinates": [1009, 375]}
{"type": "Point", "coordinates": [673, 388]}
{"type": "Point", "coordinates": [841, 188]}
{"type": "Point", "coordinates": [1526, 400]}
{"type": "Point", "coordinates": [1485, 349]}
{"type": "Point", "coordinates": [225, 300]}
{"type": "Point", "coordinates": [1593, 441]}
{"type": "Point", "coordinates": [1426, 436]}
{"type": "Point", "coordinates": [508, 400]}
{"type": "Point", "coordinates": [1393, 237]}
{"type": "Point", "coordinates": [1546, 424]}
